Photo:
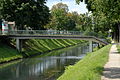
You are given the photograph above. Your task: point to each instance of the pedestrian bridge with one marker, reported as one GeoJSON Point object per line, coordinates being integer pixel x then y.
{"type": "Point", "coordinates": [20, 35]}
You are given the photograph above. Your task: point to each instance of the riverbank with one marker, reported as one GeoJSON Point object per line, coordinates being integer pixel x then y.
{"type": "Point", "coordinates": [89, 68]}
{"type": "Point", "coordinates": [34, 47]}
{"type": "Point", "coordinates": [41, 46]}
{"type": "Point", "coordinates": [48, 66]}
{"type": "Point", "coordinates": [112, 67]}
{"type": "Point", "coordinates": [8, 53]}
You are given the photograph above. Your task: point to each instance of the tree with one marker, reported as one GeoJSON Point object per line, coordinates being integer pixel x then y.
{"type": "Point", "coordinates": [61, 6]}
{"type": "Point", "coordinates": [108, 11]}
{"type": "Point", "coordinates": [70, 22]}
{"type": "Point", "coordinates": [60, 19]}
{"type": "Point", "coordinates": [25, 13]}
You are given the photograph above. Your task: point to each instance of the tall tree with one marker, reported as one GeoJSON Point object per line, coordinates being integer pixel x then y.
{"type": "Point", "coordinates": [110, 10]}
{"type": "Point", "coordinates": [25, 13]}
{"type": "Point", "coordinates": [59, 18]}
{"type": "Point", "coordinates": [61, 6]}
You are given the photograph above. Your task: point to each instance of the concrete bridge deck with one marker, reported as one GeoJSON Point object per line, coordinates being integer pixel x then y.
{"type": "Point", "coordinates": [88, 38]}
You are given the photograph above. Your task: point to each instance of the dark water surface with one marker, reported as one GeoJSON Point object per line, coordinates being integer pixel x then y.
{"type": "Point", "coordinates": [48, 67]}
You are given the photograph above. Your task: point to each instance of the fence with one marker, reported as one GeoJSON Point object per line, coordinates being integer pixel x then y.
{"type": "Point", "coordinates": [44, 32]}
{"type": "Point", "coordinates": [51, 32]}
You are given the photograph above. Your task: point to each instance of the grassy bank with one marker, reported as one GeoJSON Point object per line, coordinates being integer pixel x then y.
{"type": "Point", "coordinates": [7, 53]}
{"type": "Point", "coordinates": [33, 46]}
{"type": "Point", "coordinates": [89, 68]}
{"type": "Point", "coordinates": [8, 64]}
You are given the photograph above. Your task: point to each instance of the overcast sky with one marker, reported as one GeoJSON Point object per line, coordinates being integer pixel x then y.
{"type": "Point", "coordinates": [81, 8]}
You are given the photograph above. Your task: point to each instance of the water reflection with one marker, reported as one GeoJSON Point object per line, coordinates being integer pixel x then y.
{"type": "Point", "coordinates": [45, 68]}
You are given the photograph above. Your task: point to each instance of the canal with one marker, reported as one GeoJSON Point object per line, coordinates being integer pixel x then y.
{"type": "Point", "coordinates": [48, 67]}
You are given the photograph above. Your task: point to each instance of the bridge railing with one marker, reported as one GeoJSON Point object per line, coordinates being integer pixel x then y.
{"type": "Point", "coordinates": [55, 32]}
{"type": "Point", "coordinates": [44, 32]}
{"type": "Point", "coordinates": [51, 32]}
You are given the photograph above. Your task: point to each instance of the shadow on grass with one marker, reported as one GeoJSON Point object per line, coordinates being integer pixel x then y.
{"type": "Point", "coordinates": [118, 51]}
{"type": "Point", "coordinates": [99, 70]}
{"type": "Point", "coordinates": [112, 73]}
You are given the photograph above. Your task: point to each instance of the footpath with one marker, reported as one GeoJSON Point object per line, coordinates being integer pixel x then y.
{"type": "Point", "coordinates": [112, 67]}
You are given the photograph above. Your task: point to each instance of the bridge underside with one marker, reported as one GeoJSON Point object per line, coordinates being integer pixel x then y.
{"type": "Point", "coordinates": [19, 39]}
{"type": "Point", "coordinates": [20, 35]}
{"type": "Point", "coordinates": [88, 38]}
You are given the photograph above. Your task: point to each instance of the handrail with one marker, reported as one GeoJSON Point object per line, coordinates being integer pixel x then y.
{"type": "Point", "coordinates": [50, 32]}
{"type": "Point", "coordinates": [43, 32]}
{"type": "Point", "coordinates": [53, 32]}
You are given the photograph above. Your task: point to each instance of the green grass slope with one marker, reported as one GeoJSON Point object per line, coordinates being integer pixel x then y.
{"type": "Point", "coordinates": [89, 68]}
{"type": "Point", "coordinates": [7, 53]}
{"type": "Point", "coordinates": [34, 46]}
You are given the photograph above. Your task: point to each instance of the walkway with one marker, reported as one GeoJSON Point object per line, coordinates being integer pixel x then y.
{"type": "Point", "coordinates": [54, 34]}
{"type": "Point", "coordinates": [112, 68]}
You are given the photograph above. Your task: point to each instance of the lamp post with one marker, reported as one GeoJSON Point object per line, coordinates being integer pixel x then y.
{"type": "Point", "coordinates": [109, 33]}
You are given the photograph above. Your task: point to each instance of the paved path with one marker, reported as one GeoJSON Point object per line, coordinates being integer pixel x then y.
{"type": "Point", "coordinates": [112, 67]}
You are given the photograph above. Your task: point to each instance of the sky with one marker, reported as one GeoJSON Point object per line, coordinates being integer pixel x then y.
{"type": "Point", "coordinates": [81, 8]}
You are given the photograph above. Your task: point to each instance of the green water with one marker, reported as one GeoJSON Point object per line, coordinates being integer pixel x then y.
{"type": "Point", "coordinates": [48, 67]}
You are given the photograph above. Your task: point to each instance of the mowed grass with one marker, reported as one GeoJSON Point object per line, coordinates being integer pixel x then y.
{"type": "Point", "coordinates": [34, 46]}
{"type": "Point", "coordinates": [7, 53]}
{"type": "Point", "coordinates": [89, 68]}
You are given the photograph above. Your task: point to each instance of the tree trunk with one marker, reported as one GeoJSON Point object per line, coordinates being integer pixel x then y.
{"type": "Point", "coordinates": [118, 32]}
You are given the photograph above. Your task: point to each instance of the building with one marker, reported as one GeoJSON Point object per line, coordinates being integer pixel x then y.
{"type": "Point", "coordinates": [6, 26]}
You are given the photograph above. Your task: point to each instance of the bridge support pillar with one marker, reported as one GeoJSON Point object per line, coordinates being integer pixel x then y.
{"type": "Point", "coordinates": [98, 45]}
{"type": "Point", "coordinates": [19, 44]}
{"type": "Point", "coordinates": [90, 46]}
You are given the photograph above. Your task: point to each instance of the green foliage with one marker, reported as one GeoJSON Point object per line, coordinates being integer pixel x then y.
{"type": "Point", "coordinates": [60, 20]}
{"type": "Point", "coordinates": [89, 68]}
{"type": "Point", "coordinates": [118, 47]}
{"type": "Point", "coordinates": [105, 16]}
{"type": "Point", "coordinates": [106, 12]}
{"type": "Point", "coordinates": [7, 53]}
{"type": "Point", "coordinates": [61, 6]}
{"type": "Point", "coordinates": [34, 46]}
{"type": "Point", "coordinates": [25, 13]}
